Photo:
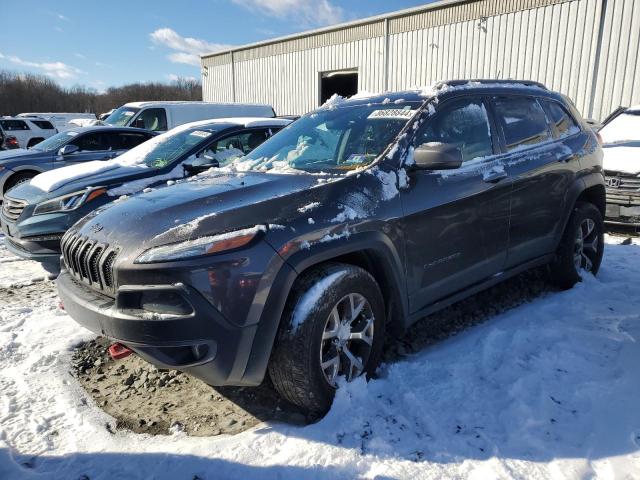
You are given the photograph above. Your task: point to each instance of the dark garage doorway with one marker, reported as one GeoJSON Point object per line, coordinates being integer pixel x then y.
{"type": "Point", "coordinates": [344, 83]}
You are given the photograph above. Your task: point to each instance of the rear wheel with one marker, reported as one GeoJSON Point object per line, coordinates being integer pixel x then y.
{"type": "Point", "coordinates": [333, 326]}
{"type": "Point", "coordinates": [581, 247]}
{"type": "Point", "coordinates": [17, 179]}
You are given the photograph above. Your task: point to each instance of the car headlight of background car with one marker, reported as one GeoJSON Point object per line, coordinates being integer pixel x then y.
{"type": "Point", "coordinates": [201, 246]}
{"type": "Point", "coordinates": [69, 202]}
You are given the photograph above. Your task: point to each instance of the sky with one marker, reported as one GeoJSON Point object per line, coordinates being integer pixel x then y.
{"type": "Point", "coordinates": [103, 44]}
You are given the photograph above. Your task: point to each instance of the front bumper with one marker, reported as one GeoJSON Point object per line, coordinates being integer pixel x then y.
{"type": "Point", "coordinates": [215, 320]}
{"type": "Point", "coordinates": [44, 249]}
{"type": "Point", "coordinates": [623, 208]}
{"type": "Point", "coordinates": [201, 342]}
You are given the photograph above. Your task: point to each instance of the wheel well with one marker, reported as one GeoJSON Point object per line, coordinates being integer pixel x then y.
{"type": "Point", "coordinates": [595, 195]}
{"type": "Point", "coordinates": [33, 141]}
{"type": "Point", "coordinates": [10, 181]}
{"type": "Point", "coordinates": [374, 263]}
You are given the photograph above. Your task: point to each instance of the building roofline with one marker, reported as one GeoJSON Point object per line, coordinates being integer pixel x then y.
{"type": "Point", "coordinates": [339, 26]}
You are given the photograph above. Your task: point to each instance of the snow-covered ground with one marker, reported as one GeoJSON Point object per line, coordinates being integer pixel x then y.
{"type": "Point", "coordinates": [550, 389]}
{"type": "Point", "coordinates": [15, 271]}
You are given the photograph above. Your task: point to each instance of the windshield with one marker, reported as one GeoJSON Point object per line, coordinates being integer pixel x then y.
{"type": "Point", "coordinates": [121, 116]}
{"type": "Point", "coordinates": [166, 148]}
{"type": "Point", "coordinates": [623, 128]}
{"type": "Point", "coordinates": [55, 142]}
{"type": "Point", "coordinates": [332, 139]}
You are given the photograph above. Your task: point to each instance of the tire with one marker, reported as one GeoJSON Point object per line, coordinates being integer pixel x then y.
{"type": "Point", "coordinates": [583, 242]}
{"type": "Point", "coordinates": [320, 298]}
{"type": "Point", "coordinates": [17, 179]}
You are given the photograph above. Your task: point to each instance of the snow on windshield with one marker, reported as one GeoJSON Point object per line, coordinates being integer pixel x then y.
{"type": "Point", "coordinates": [624, 128]}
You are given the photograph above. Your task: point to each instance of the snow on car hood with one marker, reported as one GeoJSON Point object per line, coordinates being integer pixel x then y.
{"type": "Point", "coordinates": [55, 179]}
{"type": "Point", "coordinates": [622, 159]}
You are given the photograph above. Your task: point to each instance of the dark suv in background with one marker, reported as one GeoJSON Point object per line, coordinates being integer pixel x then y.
{"type": "Point", "coordinates": [359, 218]}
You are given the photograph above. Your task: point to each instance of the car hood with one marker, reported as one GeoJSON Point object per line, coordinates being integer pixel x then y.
{"type": "Point", "coordinates": [74, 178]}
{"type": "Point", "coordinates": [20, 154]}
{"type": "Point", "coordinates": [198, 207]}
{"type": "Point", "coordinates": [623, 159]}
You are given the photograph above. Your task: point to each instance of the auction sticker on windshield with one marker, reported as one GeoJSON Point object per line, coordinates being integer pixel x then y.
{"type": "Point", "coordinates": [396, 113]}
{"type": "Point", "coordinates": [200, 133]}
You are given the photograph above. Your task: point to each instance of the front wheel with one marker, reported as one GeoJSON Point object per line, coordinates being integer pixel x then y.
{"type": "Point", "coordinates": [333, 326]}
{"type": "Point", "coordinates": [581, 247]}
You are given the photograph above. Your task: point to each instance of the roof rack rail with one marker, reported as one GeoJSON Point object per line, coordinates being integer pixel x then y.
{"type": "Point", "coordinates": [459, 83]}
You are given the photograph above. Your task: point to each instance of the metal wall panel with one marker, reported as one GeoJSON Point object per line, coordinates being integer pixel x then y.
{"type": "Point", "coordinates": [555, 42]}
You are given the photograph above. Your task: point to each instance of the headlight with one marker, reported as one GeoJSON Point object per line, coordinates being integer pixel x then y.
{"type": "Point", "coordinates": [68, 202]}
{"type": "Point", "coordinates": [201, 246]}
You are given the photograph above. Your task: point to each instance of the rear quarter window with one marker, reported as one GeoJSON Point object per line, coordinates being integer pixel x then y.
{"type": "Point", "coordinates": [523, 121]}
{"type": "Point", "coordinates": [561, 120]}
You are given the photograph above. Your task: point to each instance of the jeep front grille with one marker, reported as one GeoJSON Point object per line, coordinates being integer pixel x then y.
{"type": "Point", "coordinates": [12, 209]}
{"type": "Point", "coordinates": [89, 261]}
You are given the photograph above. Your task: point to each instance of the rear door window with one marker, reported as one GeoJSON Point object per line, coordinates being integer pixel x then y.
{"type": "Point", "coordinates": [562, 122]}
{"type": "Point", "coordinates": [92, 142]}
{"type": "Point", "coordinates": [463, 123]}
{"type": "Point", "coordinates": [126, 141]}
{"type": "Point", "coordinates": [43, 124]}
{"type": "Point", "coordinates": [14, 125]}
{"type": "Point", "coordinates": [523, 121]}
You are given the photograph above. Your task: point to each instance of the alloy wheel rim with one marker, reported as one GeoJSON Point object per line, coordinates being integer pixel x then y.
{"type": "Point", "coordinates": [586, 244]}
{"type": "Point", "coordinates": [347, 338]}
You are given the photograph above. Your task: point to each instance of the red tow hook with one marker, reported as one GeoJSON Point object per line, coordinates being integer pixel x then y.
{"type": "Point", "coordinates": [119, 351]}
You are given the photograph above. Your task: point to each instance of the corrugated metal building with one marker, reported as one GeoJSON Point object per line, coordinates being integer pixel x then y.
{"type": "Point", "coordinates": [587, 49]}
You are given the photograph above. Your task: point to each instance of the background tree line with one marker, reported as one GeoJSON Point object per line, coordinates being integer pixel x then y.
{"type": "Point", "coordinates": [26, 92]}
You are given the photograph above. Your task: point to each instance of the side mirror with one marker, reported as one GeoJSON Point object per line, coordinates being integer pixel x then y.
{"type": "Point", "coordinates": [68, 150]}
{"type": "Point", "coordinates": [437, 156]}
{"type": "Point", "coordinates": [195, 168]}
{"type": "Point", "coordinates": [138, 123]}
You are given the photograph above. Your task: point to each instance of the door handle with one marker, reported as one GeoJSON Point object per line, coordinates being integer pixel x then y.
{"type": "Point", "coordinates": [494, 176]}
{"type": "Point", "coordinates": [568, 158]}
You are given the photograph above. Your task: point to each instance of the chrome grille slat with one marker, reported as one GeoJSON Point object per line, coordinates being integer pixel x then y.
{"type": "Point", "coordinates": [12, 209]}
{"type": "Point", "coordinates": [89, 262]}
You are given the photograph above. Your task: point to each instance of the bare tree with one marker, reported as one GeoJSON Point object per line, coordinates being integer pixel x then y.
{"type": "Point", "coordinates": [26, 92]}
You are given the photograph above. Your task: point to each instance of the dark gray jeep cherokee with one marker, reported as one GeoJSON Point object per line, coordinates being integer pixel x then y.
{"type": "Point", "coordinates": [361, 217]}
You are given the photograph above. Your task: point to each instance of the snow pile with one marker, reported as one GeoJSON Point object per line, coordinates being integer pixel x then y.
{"type": "Point", "coordinates": [141, 184]}
{"type": "Point", "coordinates": [547, 390]}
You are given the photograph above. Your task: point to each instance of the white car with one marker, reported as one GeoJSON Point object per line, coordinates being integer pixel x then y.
{"type": "Point", "coordinates": [28, 131]}
{"type": "Point", "coordinates": [61, 121]}
{"type": "Point", "coordinates": [163, 116]}
{"type": "Point", "coordinates": [621, 144]}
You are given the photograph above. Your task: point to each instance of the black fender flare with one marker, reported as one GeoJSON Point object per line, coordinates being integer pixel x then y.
{"type": "Point", "coordinates": [374, 242]}
{"type": "Point", "coordinates": [575, 190]}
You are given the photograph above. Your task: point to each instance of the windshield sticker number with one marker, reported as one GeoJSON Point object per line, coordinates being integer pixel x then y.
{"type": "Point", "coordinates": [356, 158]}
{"type": "Point", "coordinates": [201, 134]}
{"type": "Point", "coordinates": [128, 113]}
{"type": "Point", "coordinates": [395, 113]}
{"type": "Point", "coordinates": [72, 134]}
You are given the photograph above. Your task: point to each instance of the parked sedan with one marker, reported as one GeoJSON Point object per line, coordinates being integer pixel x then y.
{"type": "Point", "coordinates": [71, 147]}
{"type": "Point", "coordinates": [621, 142]}
{"type": "Point", "coordinates": [35, 215]}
